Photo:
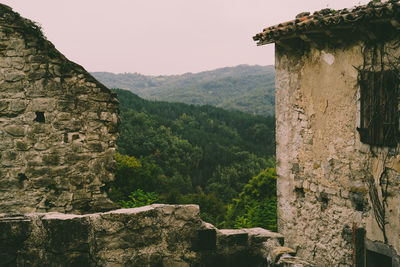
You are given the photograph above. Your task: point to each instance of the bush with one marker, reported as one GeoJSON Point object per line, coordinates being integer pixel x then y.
{"type": "Point", "coordinates": [256, 205]}
{"type": "Point", "coordinates": [140, 198]}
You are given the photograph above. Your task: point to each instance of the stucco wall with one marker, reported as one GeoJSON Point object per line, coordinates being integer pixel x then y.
{"type": "Point", "coordinates": [58, 126]}
{"type": "Point", "coordinates": [323, 168]}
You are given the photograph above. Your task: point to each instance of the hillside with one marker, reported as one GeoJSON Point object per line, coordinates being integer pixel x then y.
{"type": "Point", "coordinates": [250, 89]}
{"type": "Point", "coordinates": [188, 153]}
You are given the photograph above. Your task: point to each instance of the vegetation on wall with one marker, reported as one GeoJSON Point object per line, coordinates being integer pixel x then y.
{"type": "Point", "coordinates": [179, 154]}
{"type": "Point", "coordinates": [379, 80]}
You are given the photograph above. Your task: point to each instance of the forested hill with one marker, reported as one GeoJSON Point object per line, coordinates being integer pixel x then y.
{"type": "Point", "coordinates": [246, 88]}
{"type": "Point", "coordinates": [190, 154]}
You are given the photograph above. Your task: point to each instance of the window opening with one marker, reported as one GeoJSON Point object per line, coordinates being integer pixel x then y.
{"type": "Point", "coordinates": [39, 117]}
{"type": "Point", "coordinates": [358, 247]}
{"type": "Point", "coordinates": [375, 259]}
{"type": "Point", "coordinates": [378, 254]}
{"type": "Point", "coordinates": [379, 120]}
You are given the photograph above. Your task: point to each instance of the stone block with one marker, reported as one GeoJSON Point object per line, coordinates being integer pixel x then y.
{"type": "Point", "coordinates": [95, 147]}
{"type": "Point", "coordinates": [4, 105]}
{"type": "Point", "coordinates": [22, 145]}
{"type": "Point", "coordinates": [233, 237]}
{"type": "Point", "coordinates": [81, 194]}
{"type": "Point", "coordinates": [40, 146]}
{"type": "Point", "coordinates": [261, 235]}
{"type": "Point", "coordinates": [42, 104]}
{"type": "Point", "coordinates": [313, 187]}
{"type": "Point", "coordinates": [51, 159]}
{"type": "Point", "coordinates": [67, 235]}
{"type": "Point", "coordinates": [277, 252]}
{"type": "Point", "coordinates": [15, 130]}
{"type": "Point", "coordinates": [14, 76]}
{"type": "Point", "coordinates": [184, 212]}
{"type": "Point", "coordinates": [14, 230]}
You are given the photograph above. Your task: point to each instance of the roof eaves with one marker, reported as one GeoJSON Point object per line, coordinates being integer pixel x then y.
{"type": "Point", "coordinates": [325, 19]}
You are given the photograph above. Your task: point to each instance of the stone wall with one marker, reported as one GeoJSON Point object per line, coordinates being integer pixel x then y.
{"type": "Point", "coordinates": [324, 171]}
{"type": "Point", "coordinates": [157, 235]}
{"type": "Point", "coordinates": [58, 126]}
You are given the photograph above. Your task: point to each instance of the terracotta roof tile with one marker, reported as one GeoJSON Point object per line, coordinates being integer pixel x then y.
{"type": "Point", "coordinates": [328, 18]}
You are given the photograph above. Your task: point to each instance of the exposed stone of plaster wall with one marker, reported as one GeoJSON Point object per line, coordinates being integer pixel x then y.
{"type": "Point", "coordinates": [323, 168]}
{"type": "Point", "coordinates": [58, 126]}
{"type": "Point", "coordinates": [157, 235]}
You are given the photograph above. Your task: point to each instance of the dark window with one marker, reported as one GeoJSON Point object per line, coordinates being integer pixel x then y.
{"type": "Point", "coordinates": [359, 247]}
{"type": "Point", "coordinates": [39, 117]}
{"type": "Point", "coordinates": [379, 121]}
{"type": "Point", "coordinates": [375, 259]}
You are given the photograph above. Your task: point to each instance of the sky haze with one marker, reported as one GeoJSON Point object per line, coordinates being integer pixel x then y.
{"type": "Point", "coordinates": [163, 36]}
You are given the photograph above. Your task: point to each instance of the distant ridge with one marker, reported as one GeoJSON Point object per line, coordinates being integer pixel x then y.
{"type": "Point", "coordinates": [246, 88]}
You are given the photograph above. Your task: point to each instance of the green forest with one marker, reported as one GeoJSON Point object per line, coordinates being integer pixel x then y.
{"type": "Point", "coordinates": [250, 89]}
{"type": "Point", "coordinates": [187, 154]}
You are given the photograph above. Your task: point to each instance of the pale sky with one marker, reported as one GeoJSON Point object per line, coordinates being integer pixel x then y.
{"type": "Point", "coordinates": [160, 37]}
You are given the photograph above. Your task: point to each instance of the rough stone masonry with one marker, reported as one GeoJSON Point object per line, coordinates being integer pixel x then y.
{"type": "Point", "coordinates": [338, 162]}
{"type": "Point", "coordinates": [156, 235]}
{"type": "Point", "coordinates": [58, 126]}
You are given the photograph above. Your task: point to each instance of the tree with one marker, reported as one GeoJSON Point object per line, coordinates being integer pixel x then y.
{"type": "Point", "coordinates": [191, 154]}
{"type": "Point", "coordinates": [130, 175]}
{"type": "Point", "coordinates": [256, 205]}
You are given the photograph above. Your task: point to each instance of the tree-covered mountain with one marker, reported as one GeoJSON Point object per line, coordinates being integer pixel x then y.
{"type": "Point", "coordinates": [179, 153]}
{"type": "Point", "coordinates": [246, 88]}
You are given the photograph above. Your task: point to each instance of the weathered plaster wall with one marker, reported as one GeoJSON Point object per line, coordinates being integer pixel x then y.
{"type": "Point", "coordinates": [323, 168]}
{"type": "Point", "coordinates": [156, 235]}
{"type": "Point", "coordinates": [58, 126]}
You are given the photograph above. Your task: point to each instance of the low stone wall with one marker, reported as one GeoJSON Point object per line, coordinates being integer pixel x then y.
{"type": "Point", "coordinates": [156, 235]}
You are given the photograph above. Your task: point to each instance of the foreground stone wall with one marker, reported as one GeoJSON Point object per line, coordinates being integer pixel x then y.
{"type": "Point", "coordinates": [157, 235]}
{"type": "Point", "coordinates": [324, 171]}
{"type": "Point", "coordinates": [58, 126]}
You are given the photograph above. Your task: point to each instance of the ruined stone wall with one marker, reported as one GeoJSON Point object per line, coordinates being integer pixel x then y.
{"type": "Point", "coordinates": [58, 126]}
{"type": "Point", "coordinates": [156, 235]}
{"type": "Point", "coordinates": [323, 168]}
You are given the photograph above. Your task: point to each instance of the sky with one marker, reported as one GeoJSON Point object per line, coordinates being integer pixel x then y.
{"type": "Point", "coordinates": [164, 37]}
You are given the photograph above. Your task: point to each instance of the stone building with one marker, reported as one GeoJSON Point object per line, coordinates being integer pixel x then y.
{"type": "Point", "coordinates": [338, 162]}
{"type": "Point", "coordinates": [58, 126]}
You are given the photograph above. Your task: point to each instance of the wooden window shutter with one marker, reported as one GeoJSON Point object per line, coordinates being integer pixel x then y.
{"type": "Point", "coordinates": [379, 120]}
{"type": "Point", "coordinates": [390, 110]}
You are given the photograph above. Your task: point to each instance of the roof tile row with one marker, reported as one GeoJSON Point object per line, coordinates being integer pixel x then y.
{"type": "Point", "coordinates": [329, 18]}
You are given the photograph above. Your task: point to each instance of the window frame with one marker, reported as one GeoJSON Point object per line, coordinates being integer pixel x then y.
{"type": "Point", "coordinates": [379, 107]}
